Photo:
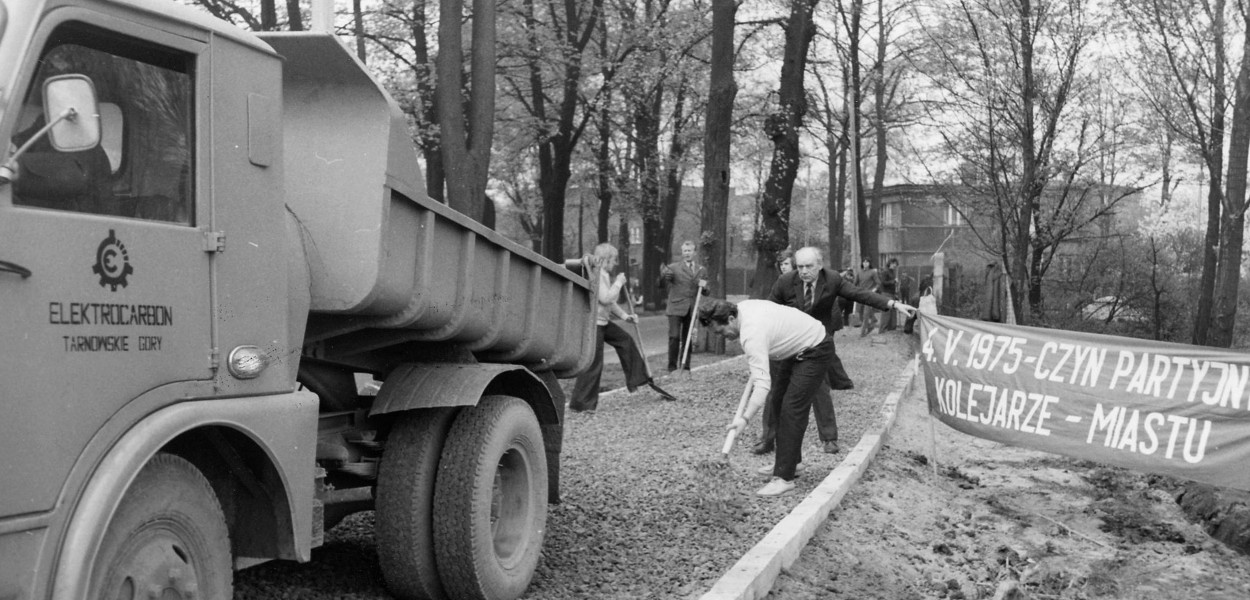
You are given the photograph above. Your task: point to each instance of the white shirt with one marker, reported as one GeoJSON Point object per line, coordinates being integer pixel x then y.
{"type": "Point", "coordinates": [771, 331]}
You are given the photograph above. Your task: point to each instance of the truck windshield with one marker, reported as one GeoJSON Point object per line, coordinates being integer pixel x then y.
{"type": "Point", "coordinates": [142, 167]}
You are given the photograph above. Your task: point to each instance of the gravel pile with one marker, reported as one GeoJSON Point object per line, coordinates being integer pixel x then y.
{"type": "Point", "coordinates": [642, 516]}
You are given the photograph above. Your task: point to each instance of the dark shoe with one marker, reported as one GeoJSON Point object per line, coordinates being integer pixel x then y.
{"type": "Point", "coordinates": [831, 447]}
{"type": "Point", "coordinates": [659, 390]}
{"type": "Point", "coordinates": [844, 386]}
{"type": "Point", "coordinates": [762, 447]}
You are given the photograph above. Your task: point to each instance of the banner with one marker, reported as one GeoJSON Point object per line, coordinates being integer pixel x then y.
{"type": "Point", "coordinates": [1160, 407]}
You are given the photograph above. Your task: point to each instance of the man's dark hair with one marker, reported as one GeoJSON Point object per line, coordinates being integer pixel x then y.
{"type": "Point", "coordinates": [717, 310]}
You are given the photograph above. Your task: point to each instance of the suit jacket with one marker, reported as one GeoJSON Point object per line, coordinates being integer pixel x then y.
{"type": "Point", "coordinates": [683, 284]}
{"type": "Point", "coordinates": [788, 290]}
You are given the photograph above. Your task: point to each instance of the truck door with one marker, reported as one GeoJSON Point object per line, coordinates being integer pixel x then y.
{"type": "Point", "coordinates": [104, 279]}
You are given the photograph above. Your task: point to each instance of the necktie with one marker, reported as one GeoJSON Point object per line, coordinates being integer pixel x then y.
{"type": "Point", "coordinates": [690, 266]}
{"type": "Point", "coordinates": [808, 296]}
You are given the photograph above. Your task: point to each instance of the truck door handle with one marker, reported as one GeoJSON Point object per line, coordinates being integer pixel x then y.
{"type": "Point", "coordinates": [9, 267]}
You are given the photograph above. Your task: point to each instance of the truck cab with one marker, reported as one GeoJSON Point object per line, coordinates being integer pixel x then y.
{"type": "Point", "coordinates": [203, 273]}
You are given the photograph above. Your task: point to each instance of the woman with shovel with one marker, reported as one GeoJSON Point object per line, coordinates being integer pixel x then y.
{"type": "Point", "coordinates": [802, 349]}
{"type": "Point", "coordinates": [585, 397]}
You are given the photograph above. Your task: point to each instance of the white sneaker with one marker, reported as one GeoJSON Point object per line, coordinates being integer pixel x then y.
{"type": "Point", "coordinates": [776, 487]}
{"type": "Point", "coordinates": [768, 469]}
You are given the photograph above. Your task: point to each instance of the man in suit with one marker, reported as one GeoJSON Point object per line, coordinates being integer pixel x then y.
{"type": "Point", "coordinates": [815, 290]}
{"type": "Point", "coordinates": [683, 278]}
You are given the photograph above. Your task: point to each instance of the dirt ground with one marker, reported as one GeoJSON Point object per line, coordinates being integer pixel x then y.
{"type": "Point", "coordinates": [991, 521]}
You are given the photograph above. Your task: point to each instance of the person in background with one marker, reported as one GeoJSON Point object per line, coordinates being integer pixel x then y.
{"type": "Point", "coordinates": [814, 290]}
{"type": "Point", "coordinates": [845, 305]}
{"type": "Point", "coordinates": [684, 278]}
{"type": "Point", "coordinates": [785, 261]}
{"type": "Point", "coordinates": [801, 347]}
{"type": "Point", "coordinates": [907, 293]}
{"type": "Point", "coordinates": [869, 280]}
{"type": "Point", "coordinates": [585, 396]}
{"type": "Point", "coordinates": [889, 288]}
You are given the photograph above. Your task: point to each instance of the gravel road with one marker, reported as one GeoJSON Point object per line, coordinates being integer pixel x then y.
{"type": "Point", "coordinates": [639, 517]}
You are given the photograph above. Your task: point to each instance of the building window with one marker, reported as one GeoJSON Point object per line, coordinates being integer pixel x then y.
{"type": "Point", "coordinates": [953, 218]}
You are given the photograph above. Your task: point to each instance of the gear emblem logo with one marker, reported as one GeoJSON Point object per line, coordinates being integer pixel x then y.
{"type": "Point", "coordinates": [112, 263]}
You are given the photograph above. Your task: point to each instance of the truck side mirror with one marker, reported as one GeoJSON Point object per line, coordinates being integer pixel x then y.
{"type": "Point", "coordinates": [69, 104]}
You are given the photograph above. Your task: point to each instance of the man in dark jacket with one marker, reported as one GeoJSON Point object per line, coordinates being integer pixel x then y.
{"type": "Point", "coordinates": [684, 279]}
{"type": "Point", "coordinates": [814, 290]}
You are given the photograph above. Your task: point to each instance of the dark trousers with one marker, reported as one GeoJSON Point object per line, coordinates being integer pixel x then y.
{"type": "Point", "coordinates": [586, 389]}
{"type": "Point", "coordinates": [847, 308]}
{"type": "Point", "coordinates": [678, 331]}
{"type": "Point", "coordinates": [822, 403]}
{"type": "Point", "coordinates": [796, 383]}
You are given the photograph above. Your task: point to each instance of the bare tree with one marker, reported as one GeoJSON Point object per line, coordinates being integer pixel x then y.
{"type": "Point", "coordinates": [401, 33]}
{"type": "Point", "coordinates": [1009, 78]}
{"type": "Point", "coordinates": [548, 84]}
{"type": "Point", "coordinates": [466, 138]}
{"type": "Point", "coordinates": [1182, 70]}
{"type": "Point", "coordinates": [716, 145]}
{"type": "Point", "coordinates": [782, 127]}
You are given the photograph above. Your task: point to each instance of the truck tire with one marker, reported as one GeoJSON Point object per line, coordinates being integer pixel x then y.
{"type": "Point", "coordinates": [491, 501]}
{"type": "Point", "coordinates": [168, 538]}
{"type": "Point", "coordinates": [404, 515]}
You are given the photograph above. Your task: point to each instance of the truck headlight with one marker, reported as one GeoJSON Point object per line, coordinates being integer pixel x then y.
{"type": "Point", "coordinates": [247, 362]}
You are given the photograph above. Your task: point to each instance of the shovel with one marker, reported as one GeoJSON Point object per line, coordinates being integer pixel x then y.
{"type": "Point", "coordinates": [723, 461]}
{"type": "Point", "coordinates": [694, 317]}
{"type": "Point", "coordinates": [629, 299]}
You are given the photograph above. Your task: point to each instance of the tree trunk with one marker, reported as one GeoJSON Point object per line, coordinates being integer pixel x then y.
{"type": "Point", "coordinates": [427, 113]}
{"type": "Point", "coordinates": [604, 153]}
{"type": "Point", "coordinates": [865, 223]}
{"type": "Point", "coordinates": [556, 144]}
{"type": "Point", "coordinates": [714, 216]}
{"type": "Point", "coordinates": [1030, 184]}
{"type": "Point", "coordinates": [1232, 233]}
{"type": "Point", "coordinates": [782, 128]}
{"type": "Point", "coordinates": [654, 242]}
{"type": "Point", "coordinates": [295, 19]}
{"type": "Point", "coordinates": [835, 198]}
{"type": "Point", "coordinates": [268, 15]}
{"type": "Point", "coordinates": [466, 139]}
{"type": "Point", "coordinates": [358, 28]}
{"type": "Point", "coordinates": [878, 175]}
{"type": "Point", "coordinates": [1215, 168]}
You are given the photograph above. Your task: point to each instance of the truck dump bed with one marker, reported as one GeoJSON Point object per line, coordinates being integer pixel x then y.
{"type": "Point", "coordinates": [387, 264]}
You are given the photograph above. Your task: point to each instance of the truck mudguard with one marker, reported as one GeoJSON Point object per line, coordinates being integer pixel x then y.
{"type": "Point", "coordinates": [283, 426]}
{"type": "Point", "coordinates": [430, 385]}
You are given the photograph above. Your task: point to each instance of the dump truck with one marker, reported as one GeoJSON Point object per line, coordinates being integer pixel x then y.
{"type": "Point", "coordinates": [233, 317]}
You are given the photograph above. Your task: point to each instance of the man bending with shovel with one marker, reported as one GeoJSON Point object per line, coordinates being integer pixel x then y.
{"type": "Point", "coordinates": [802, 349]}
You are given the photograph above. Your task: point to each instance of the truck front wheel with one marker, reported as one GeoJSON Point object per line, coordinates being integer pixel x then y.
{"type": "Point", "coordinates": [168, 538]}
{"type": "Point", "coordinates": [491, 501]}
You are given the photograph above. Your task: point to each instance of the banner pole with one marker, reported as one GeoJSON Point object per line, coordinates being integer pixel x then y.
{"type": "Point", "coordinates": [933, 444]}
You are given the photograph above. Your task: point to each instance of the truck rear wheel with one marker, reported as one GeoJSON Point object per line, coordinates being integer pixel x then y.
{"type": "Point", "coordinates": [168, 538]}
{"type": "Point", "coordinates": [491, 499]}
{"type": "Point", "coordinates": [404, 526]}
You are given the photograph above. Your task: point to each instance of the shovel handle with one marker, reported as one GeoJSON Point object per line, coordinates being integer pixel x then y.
{"type": "Point", "coordinates": [732, 436]}
{"type": "Point", "coordinates": [694, 318]}
{"type": "Point", "coordinates": [729, 442]}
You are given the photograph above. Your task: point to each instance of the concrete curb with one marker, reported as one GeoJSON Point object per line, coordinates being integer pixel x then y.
{"type": "Point", "coordinates": [755, 573]}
